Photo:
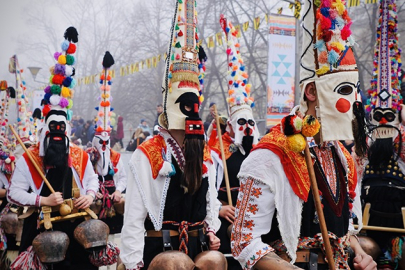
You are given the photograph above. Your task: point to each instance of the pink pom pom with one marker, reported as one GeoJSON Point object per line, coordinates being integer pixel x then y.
{"type": "Point", "coordinates": [63, 102]}
{"type": "Point", "coordinates": [102, 88]}
{"type": "Point", "coordinates": [107, 88]}
{"type": "Point", "coordinates": [56, 55]}
{"type": "Point", "coordinates": [228, 51]}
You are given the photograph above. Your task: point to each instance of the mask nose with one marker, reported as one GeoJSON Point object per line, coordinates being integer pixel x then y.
{"type": "Point", "coordinates": [383, 121]}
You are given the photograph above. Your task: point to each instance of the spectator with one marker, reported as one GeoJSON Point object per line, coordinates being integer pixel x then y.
{"type": "Point", "coordinates": [144, 126]}
{"type": "Point", "coordinates": [137, 138]}
{"type": "Point", "coordinates": [147, 135]}
{"type": "Point", "coordinates": [120, 130]}
{"type": "Point", "coordinates": [159, 110]}
{"type": "Point", "coordinates": [209, 117]}
{"type": "Point", "coordinates": [79, 129]}
{"type": "Point", "coordinates": [90, 131]}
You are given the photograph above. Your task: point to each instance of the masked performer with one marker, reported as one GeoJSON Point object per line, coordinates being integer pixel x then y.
{"type": "Point", "coordinates": [383, 168]}
{"type": "Point", "coordinates": [67, 167]}
{"type": "Point", "coordinates": [275, 213]}
{"type": "Point", "coordinates": [240, 136]}
{"type": "Point", "coordinates": [171, 188]}
{"type": "Point", "coordinates": [107, 163]}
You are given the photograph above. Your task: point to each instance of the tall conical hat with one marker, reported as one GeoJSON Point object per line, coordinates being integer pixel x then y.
{"type": "Point", "coordinates": [328, 60]}
{"type": "Point", "coordinates": [240, 102]}
{"type": "Point", "coordinates": [181, 85]}
{"type": "Point", "coordinates": [59, 94]}
{"type": "Point", "coordinates": [24, 119]}
{"type": "Point", "coordinates": [385, 90]}
{"type": "Point", "coordinates": [104, 108]}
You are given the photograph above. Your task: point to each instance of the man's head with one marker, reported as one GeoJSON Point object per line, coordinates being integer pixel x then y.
{"type": "Point", "coordinates": [143, 122]}
{"type": "Point", "coordinates": [159, 108]}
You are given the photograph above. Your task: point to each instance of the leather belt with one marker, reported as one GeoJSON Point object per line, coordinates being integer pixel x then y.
{"type": "Point", "coordinates": [303, 256]}
{"type": "Point", "coordinates": [153, 233]}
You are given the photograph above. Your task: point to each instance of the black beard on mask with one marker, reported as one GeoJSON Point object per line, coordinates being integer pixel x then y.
{"type": "Point", "coordinates": [194, 157]}
{"type": "Point", "coordinates": [247, 143]}
{"type": "Point", "coordinates": [56, 153]}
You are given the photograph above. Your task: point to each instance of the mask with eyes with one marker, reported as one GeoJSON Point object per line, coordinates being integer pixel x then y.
{"type": "Point", "coordinates": [243, 125]}
{"type": "Point", "coordinates": [102, 143]}
{"type": "Point", "coordinates": [328, 60]}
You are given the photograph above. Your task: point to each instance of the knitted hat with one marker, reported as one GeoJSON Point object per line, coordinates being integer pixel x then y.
{"type": "Point", "coordinates": [240, 102]}
{"type": "Point", "coordinates": [181, 85]}
{"type": "Point", "coordinates": [328, 60]}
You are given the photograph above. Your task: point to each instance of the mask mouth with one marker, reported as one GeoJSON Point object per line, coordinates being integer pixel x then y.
{"type": "Point", "coordinates": [384, 131]}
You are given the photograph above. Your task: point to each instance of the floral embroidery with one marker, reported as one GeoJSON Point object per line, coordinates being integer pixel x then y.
{"type": "Point", "coordinates": [256, 192]}
{"type": "Point", "coordinates": [153, 151]}
{"type": "Point", "coordinates": [249, 224]}
{"type": "Point", "coordinates": [293, 163]}
{"type": "Point", "coordinates": [253, 208]}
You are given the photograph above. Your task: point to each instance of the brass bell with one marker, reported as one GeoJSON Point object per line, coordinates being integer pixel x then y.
{"type": "Point", "coordinates": [64, 209]}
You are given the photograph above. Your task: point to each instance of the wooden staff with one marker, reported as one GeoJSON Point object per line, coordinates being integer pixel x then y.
{"type": "Point", "coordinates": [32, 159]}
{"type": "Point", "coordinates": [221, 146]}
{"type": "Point", "coordinates": [319, 210]}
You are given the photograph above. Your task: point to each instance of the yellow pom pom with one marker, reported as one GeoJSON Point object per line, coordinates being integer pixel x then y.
{"type": "Point", "coordinates": [62, 59]}
{"type": "Point", "coordinates": [296, 143]}
{"type": "Point", "coordinates": [65, 92]}
{"type": "Point", "coordinates": [201, 99]}
{"type": "Point", "coordinates": [322, 70]}
{"type": "Point", "coordinates": [310, 126]}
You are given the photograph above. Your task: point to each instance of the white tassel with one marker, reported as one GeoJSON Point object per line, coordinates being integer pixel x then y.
{"type": "Point", "coordinates": [167, 169]}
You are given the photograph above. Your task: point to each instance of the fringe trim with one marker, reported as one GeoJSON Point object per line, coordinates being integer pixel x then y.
{"type": "Point", "coordinates": [185, 76]}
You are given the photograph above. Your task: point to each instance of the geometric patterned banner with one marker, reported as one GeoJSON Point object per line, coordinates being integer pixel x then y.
{"type": "Point", "coordinates": [281, 68]}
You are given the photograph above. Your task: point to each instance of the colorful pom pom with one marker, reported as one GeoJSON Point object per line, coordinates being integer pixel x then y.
{"type": "Point", "coordinates": [310, 126]}
{"type": "Point", "coordinates": [62, 59]}
{"type": "Point", "coordinates": [296, 143]}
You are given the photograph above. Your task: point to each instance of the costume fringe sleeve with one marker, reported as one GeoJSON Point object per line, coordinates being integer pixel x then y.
{"type": "Point", "coordinates": [212, 219]}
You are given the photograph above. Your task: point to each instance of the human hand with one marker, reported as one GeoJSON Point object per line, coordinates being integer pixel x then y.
{"type": "Point", "coordinates": [99, 195]}
{"type": "Point", "coordinates": [362, 261]}
{"type": "Point", "coordinates": [52, 200]}
{"type": "Point", "coordinates": [116, 196]}
{"type": "Point", "coordinates": [215, 243]}
{"type": "Point", "coordinates": [83, 201]}
{"type": "Point", "coordinates": [227, 212]}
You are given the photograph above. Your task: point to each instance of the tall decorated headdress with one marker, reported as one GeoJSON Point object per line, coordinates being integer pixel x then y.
{"type": "Point", "coordinates": [328, 61]}
{"type": "Point", "coordinates": [24, 119]}
{"type": "Point", "coordinates": [8, 92]}
{"type": "Point", "coordinates": [101, 140]}
{"type": "Point", "coordinates": [385, 91]}
{"type": "Point", "coordinates": [181, 86]}
{"type": "Point", "coordinates": [240, 102]}
{"type": "Point", "coordinates": [58, 95]}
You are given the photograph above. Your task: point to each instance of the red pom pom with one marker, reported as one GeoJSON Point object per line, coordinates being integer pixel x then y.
{"type": "Point", "coordinates": [58, 79]}
{"type": "Point", "coordinates": [326, 23]}
{"type": "Point", "coordinates": [46, 110]}
{"type": "Point", "coordinates": [327, 35]}
{"type": "Point", "coordinates": [71, 49]}
{"type": "Point", "coordinates": [99, 129]}
{"type": "Point", "coordinates": [12, 158]}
